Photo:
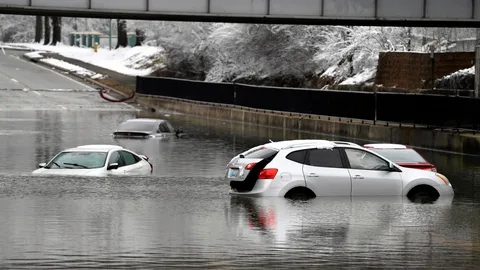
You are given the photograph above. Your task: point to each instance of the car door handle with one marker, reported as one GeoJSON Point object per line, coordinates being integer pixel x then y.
{"type": "Point", "coordinates": [313, 175]}
{"type": "Point", "coordinates": [358, 177]}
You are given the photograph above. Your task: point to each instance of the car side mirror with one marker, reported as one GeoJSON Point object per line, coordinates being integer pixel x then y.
{"type": "Point", "coordinates": [42, 165]}
{"type": "Point", "coordinates": [178, 132]}
{"type": "Point", "coordinates": [112, 166]}
{"type": "Point", "coordinates": [393, 168]}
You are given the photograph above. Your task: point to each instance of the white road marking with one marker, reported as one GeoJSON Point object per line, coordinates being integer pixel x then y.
{"type": "Point", "coordinates": [13, 80]}
{"type": "Point", "coordinates": [37, 93]}
{"type": "Point", "coordinates": [3, 51]}
{"type": "Point", "coordinates": [63, 107]}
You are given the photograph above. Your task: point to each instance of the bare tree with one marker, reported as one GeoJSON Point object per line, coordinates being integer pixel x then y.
{"type": "Point", "coordinates": [38, 29]}
{"type": "Point", "coordinates": [122, 33]}
{"type": "Point", "coordinates": [140, 37]}
{"type": "Point", "coordinates": [57, 30]}
{"type": "Point", "coordinates": [48, 29]}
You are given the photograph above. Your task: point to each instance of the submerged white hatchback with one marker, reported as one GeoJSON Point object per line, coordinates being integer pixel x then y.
{"type": "Point", "coordinates": [327, 168]}
{"type": "Point", "coordinates": [96, 160]}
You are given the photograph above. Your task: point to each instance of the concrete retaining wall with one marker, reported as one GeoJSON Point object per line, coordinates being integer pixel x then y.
{"type": "Point", "coordinates": [381, 132]}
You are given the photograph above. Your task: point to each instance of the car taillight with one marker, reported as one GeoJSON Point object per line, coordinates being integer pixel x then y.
{"type": "Point", "coordinates": [250, 166]}
{"type": "Point", "coordinates": [268, 174]}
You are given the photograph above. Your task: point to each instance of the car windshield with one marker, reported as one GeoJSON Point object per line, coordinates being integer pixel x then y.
{"type": "Point", "coordinates": [400, 155]}
{"type": "Point", "coordinates": [78, 160]}
{"type": "Point", "coordinates": [137, 126]}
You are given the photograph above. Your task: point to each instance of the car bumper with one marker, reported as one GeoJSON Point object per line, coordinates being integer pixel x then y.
{"type": "Point", "coordinates": [445, 190]}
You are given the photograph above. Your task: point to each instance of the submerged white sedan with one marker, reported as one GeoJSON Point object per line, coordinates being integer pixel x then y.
{"type": "Point", "coordinates": [327, 168]}
{"type": "Point", "coordinates": [96, 160]}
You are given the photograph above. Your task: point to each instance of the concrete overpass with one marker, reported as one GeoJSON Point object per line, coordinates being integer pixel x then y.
{"type": "Point", "coordinates": [453, 13]}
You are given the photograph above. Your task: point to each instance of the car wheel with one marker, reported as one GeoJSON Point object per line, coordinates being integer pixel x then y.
{"type": "Point", "coordinates": [300, 193]}
{"type": "Point", "coordinates": [423, 194]}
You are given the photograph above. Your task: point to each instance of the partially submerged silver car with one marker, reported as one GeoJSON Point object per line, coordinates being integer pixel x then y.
{"type": "Point", "coordinates": [143, 128]}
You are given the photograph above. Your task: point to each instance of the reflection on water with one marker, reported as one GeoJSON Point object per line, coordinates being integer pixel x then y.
{"type": "Point", "coordinates": [183, 217]}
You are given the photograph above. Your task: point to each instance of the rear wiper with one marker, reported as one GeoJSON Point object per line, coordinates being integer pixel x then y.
{"type": "Point", "coordinates": [76, 165]}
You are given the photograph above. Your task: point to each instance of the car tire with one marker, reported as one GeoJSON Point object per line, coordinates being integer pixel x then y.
{"type": "Point", "coordinates": [423, 194]}
{"type": "Point", "coordinates": [300, 193]}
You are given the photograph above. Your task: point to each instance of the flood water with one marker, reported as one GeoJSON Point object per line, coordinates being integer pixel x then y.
{"type": "Point", "coordinates": [183, 217]}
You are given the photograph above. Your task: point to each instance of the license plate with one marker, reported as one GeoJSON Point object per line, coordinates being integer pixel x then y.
{"type": "Point", "coordinates": [232, 173]}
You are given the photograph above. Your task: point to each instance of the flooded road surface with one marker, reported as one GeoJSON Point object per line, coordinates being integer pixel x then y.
{"type": "Point", "coordinates": [183, 217]}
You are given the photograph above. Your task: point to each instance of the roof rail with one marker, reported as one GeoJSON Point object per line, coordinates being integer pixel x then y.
{"type": "Point", "coordinates": [346, 143]}
{"type": "Point", "coordinates": [318, 143]}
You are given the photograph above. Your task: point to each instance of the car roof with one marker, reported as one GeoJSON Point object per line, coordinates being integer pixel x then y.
{"type": "Point", "coordinates": [150, 120]}
{"type": "Point", "coordinates": [95, 147]}
{"type": "Point", "coordinates": [308, 143]}
{"type": "Point", "coordinates": [385, 146]}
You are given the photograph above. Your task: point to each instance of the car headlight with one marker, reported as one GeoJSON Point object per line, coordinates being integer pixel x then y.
{"type": "Point", "coordinates": [443, 178]}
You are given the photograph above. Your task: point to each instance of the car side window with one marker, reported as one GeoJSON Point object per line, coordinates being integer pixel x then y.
{"type": "Point", "coordinates": [129, 158]}
{"type": "Point", "coordinates": [162, 128]}
{"type": "Point", "coordinates": [297, 156]}
{"type": "Point", "coordinates": [116, 158]}
{"type": "Point", "coordinates": [330, 158]}
{"type": "Point", "coordinates": [364, 160]}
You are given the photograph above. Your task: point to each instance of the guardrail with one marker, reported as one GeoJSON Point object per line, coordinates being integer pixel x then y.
{"type": "Point", "coordinates": [434, 111]}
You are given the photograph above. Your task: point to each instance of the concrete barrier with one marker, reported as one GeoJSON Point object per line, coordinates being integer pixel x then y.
{"type": "Point", "coordinates": [381, 132]}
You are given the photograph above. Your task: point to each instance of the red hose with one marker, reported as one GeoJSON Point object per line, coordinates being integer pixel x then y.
{"type": "Point", "coordinates": [101, 91]}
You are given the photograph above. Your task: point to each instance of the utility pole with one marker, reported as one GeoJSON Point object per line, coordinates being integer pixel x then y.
{"type": "Point", "coordinates": [110, 36]}
{"type": "Point", "coordinates": [432, 57]}
{"type": "Point", "coordinates": [477, 63]}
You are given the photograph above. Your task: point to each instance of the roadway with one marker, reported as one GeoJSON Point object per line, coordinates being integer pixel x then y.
{"type": "Point", "coordinates": [25, 85]}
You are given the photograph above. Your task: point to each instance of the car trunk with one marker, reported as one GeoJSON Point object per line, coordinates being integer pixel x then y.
{"type": "Point", "coordinates": [243, 171]}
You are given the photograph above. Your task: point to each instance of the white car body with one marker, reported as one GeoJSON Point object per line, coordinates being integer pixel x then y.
{"type": "Point", "coordinates": [351, 170]}
{"type": "Point", "coordinates": [114, 154]}
{"type": "Point", "coordinates": [144, 128]}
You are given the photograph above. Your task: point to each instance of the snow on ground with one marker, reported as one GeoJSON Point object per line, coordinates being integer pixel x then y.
{"type": "Point", "coordinates": [360, 78]}
{"type": "Point", "coordinates": [136, 61]}
{"type": "Point", "coordinates": [35, 55]}
{"type": "Point", "coordinates": [462, 79]}
{"type": "Point", "coordinates": [461, 72]}
{"type": "Point", "coordinates": [71, 68]}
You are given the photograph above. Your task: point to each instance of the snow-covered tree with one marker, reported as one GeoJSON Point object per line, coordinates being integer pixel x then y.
{"type": "Point", "coordinates": [352, 50]}
{"type": "Point", "coordinates": [185, 45]}
{"type": "Point", "coordinates": [17, 28]}
{"type": "Point", "coordinates": [256, 51]}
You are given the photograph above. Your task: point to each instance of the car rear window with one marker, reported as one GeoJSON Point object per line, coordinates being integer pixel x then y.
{"type": "Point", "coordinates": [400, 155]}
{"type": "Point", "coordinates": [137, 126]}
{"type": "Point", "coordinates": [297, 156]}
{"type": "Point", "coordinates": [262, 153]}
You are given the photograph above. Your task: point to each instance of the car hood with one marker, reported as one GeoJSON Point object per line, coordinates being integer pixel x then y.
{"type": "Point", "coordinates": [73, 172]}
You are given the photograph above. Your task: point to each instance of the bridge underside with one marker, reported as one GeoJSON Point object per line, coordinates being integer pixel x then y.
{"type": "Point", "coordinates": [428, 13]}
